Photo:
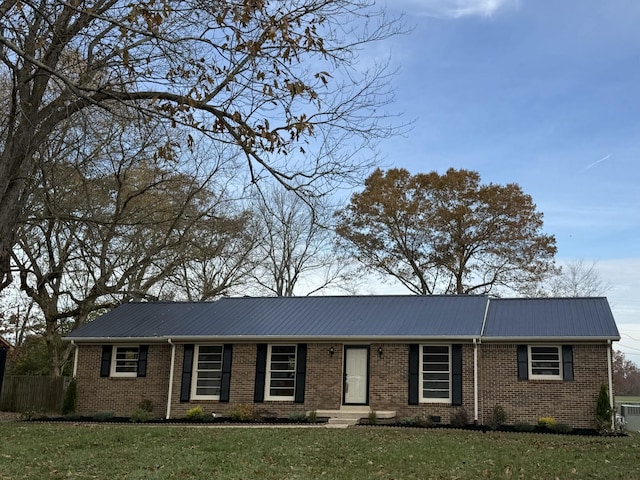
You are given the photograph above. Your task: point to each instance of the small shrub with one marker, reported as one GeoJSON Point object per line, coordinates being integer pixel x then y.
{"type": "Point", "coordinates": [146, 405]}
{"type": "Point", "coordinates": [297, 417]}
{"type": "Point", "coordinates": [498, 417]}
{"type": "Point", "coordinates": [70, 398]}
{"type": "Point", "coordinates": [312, 416]}
{"type": "Point", "coordinates": [242, 413]}
{"type": "Point", "coordinates": [416, 421]}
{"type": "Point", "coordinates": [460, 418]}
{"type": "Point", "coordinates": [195, 413]}
{"type": "Point", "coordinates": [547, 422]}
{"type": "Point", "coordinates": [603, 410]}
{"type": "Point", "coordinates": [141, 416]}
{"type": "Point", "coordinates": [523, 427]}
{"type": "Point", "coordinates": [373, 417]}
{"type": "Point", "coordinates": [560, 428]}
{"type": "Point", "coordinates": [103, 416]}
{"type": "Point", "coordinates": [31, 415]}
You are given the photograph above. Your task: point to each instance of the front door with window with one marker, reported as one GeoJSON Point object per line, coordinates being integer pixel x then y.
{"type": "Point", "coordinates": [356, 375]}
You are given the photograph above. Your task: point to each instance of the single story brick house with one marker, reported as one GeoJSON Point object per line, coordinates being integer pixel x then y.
{"type": "Point", "coordinates": [409, 355]}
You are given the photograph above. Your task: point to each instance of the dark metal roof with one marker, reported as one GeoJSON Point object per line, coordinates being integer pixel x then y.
{"type": "Point", "coordinates": [295, 317]}
{"type": "Point", "coordinates": [358, 317]}
{"type": "Point", "coordinates": [550, 318]}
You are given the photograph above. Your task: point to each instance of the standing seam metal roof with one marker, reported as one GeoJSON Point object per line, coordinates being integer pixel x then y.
{"type": "Point", "coordinates": [375, 317]}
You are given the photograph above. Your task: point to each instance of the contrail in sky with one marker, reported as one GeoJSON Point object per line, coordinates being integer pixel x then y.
{"type": "Point", "coordinates": [606, 157]}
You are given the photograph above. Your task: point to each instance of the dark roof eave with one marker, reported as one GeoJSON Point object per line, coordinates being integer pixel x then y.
{"type": "Point", "coordinates": [263, 338]}
{"type": "Point", "coordinates": [576, 338]}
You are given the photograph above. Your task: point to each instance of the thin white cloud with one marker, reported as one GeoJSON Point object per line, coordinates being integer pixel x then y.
{"type": "Point", "coordinates": [606, 157]}
{"type": "Point", "coordinates": [456, 8]}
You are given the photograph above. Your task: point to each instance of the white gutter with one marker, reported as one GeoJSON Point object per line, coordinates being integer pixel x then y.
{"type": "Point", "coordinates": [611, 404]}
{"type": "Point", "coordinates": [475, 382]}
{"type": "Point", "coordinates": [171, 369]}
{"type": "Point", "coordinates": [75, 358]}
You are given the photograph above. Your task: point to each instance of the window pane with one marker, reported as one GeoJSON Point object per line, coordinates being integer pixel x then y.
{"type": "Point", "coordinates": [126, 360]}
{"type": "Point", "coordinates": [436, 394]}
{"type": "Point", "coordinates": [436, 376]}
{"type": "Point", "coordinates": [545, 361]}
{"type": "Point", "coordinates": [282, 368]}
{"type": "Point", "coordinates": [208, 370]}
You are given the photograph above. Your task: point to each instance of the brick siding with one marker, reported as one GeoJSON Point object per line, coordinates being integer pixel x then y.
{"type": "Point", "coordinates": [523, 401]}
{"type": "Point", "coordinates": [121, 395]}
{"type": "Point", "coordinates": [570, 402]}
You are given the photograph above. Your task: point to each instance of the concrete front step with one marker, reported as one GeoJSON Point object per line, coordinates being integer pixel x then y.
{"type": "Point", "coordinates": [351, 415]}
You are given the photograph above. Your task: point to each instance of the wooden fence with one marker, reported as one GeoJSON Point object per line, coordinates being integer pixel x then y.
{"type": "Point", "coordinates": [23, 393]}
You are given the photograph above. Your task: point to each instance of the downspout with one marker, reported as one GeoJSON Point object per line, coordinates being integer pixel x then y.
{"type": "Point", "coordinates": [475, 381]}
{"type": "Point", "coordinates": [611, 404]}
{"type": "Point", "coordinates": [171, 368]}
{"type": "Point", "coordinates": [75, 358]}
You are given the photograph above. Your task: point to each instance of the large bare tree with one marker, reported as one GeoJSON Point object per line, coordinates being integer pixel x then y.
{"type": "Point", "coordinates": [447, 233]}
{"type": "Point", "coordinates": [296, 251]}
{"type": "Point", "coordinates": [110, 221]}
{"type": "Point", "coordinates": [273, 79]}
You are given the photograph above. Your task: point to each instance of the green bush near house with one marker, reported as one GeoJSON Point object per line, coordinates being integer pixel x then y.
{"type": "Point", "coordinates": [243, 412]}
{"type": "Point", "coordinates": [297, 417]}
{"type": "Point", "coordinates": [141, 416]}
{"type": "Point", "coordinates": [603, 410]}
{"type": "Point", "coordinates": [103, 416]}
{"type": "Point", "coordinates": [547, 422]}
{"type": "Point", "coordinates": [460, 418]}
{"type": "Point", "coordinates": [498, 417]}
{"type": "Point", "coordinates": [195, 413]}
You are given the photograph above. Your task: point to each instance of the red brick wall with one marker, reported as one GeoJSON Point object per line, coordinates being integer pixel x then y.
{"type": "Point", "coordinates": [570, 402]}
{"type": "Point", "coordinates": [524, 401]}
{"type": "Point", "coordinates": [121, 395]}
{"type": "Point", "coordinates": [389, 384]}
{"type": "Point", "coordinates": [323, 384]}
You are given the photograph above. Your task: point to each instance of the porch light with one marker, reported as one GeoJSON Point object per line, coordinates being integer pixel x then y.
{"type": "Point", "coordinates": [332, 351]}
{"type": "Point", "coordinates": [380, 351]}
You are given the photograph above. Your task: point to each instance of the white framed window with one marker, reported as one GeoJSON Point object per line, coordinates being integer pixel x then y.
{"type": "Point", "coordinates": [124, 361]}
{"type": "Point", "coordinates": [207, 370]}
{"type": "Point", "coordinates": [545, 362]}
{"type": "Point", "coordinates": [435, 373]}
{"type": "Point", "coordinates": [281, 372]}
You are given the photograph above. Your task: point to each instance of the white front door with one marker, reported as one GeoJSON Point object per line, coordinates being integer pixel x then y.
{"type": "Point", "coordinates": [356, 373]}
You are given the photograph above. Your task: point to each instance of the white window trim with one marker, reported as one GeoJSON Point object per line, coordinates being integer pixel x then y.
{"type": "Point", "coordinates": [424, 399]}
{"type": "Point", "coordinates": [113, 372]}
{"type": "Point", "coordinates": [194, 374]}
{"type": "Point", "coordinates": [267, 382]}
{"type": "Point", "coordinates": [533, 376]}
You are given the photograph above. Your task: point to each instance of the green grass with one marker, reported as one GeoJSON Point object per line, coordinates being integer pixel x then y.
{"type": "Point", "coordinates": [57, 451]}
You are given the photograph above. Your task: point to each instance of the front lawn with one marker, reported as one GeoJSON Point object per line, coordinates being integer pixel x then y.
{"type": "Point", "coordinates": [58, 451]}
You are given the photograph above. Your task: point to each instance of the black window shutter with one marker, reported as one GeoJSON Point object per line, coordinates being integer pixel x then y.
{"type": "Point", "coordinates": [261, 371]}
{"type": "Point", "coordinates": [456, 375]}
{"type": "Point", "coordinates": [187, 371]}
{"type": "Point", "coordinates": [414, 372]}
{"type": "Point", "coordinates": [567, 363]}
{"type": "Point", "coordinates": [105, 364]}
{"type": "Point", "coordinates": [142, 360]}
{"type": "Point", "coordinates": [523, 362]}
{"type": "Point", "coordinates": [225, 381]}
{"type": "Point", "coordinates": [301, 372]}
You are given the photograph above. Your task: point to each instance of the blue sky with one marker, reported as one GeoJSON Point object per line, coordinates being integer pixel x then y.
{"type": "Point", "coordinates": [543, 93]}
